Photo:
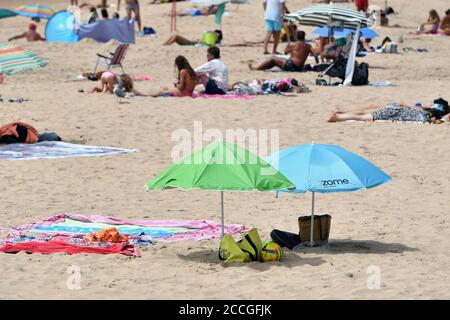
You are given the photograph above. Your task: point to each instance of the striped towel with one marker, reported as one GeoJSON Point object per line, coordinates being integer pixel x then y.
{"type": "Point", "coordinates": [15, 59]}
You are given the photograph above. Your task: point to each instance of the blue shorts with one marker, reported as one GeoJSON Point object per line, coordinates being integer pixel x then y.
{"type": "Point", "coordinates": [273, 26]}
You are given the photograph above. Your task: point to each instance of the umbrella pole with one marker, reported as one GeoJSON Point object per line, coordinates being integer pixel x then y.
{"type": "Point", "coordinates": [223, 219]}
{"type": "Point", "coordinates": [311, 242]}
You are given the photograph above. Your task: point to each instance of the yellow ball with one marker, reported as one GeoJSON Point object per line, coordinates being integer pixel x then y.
{"type": "Point", "coordinates": [271, 251]}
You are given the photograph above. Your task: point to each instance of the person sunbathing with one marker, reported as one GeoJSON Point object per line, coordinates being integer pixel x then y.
{"type": "Point", "coordinates": [30, 35]}
{"type": "Point", "coordinates": [298, 52]}
{"type": "Point", "coordinates": [210, 38]}
{"type": "Point", "coordinates": [445, 23]}
{"type": "Point", "coordinates": [432, 24]}
{"type": "Point", "coordinates": [186, 83]}
{"type": "Point", "coordinates": [196, 11]}
{"type": "Point", "coordinates": [435, 114]}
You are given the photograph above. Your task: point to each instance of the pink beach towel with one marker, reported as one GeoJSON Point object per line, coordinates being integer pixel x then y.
{"type": "Point", "coordinates": [143, 78]}
{"type": "Point", "coordinates": [223, 96]}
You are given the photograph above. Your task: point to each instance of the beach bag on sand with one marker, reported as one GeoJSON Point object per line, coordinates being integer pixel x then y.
{"type": "Point", "coordinates": [322, 224]}
{"type": "Point", "coordinates": [18, 132]}
{"type": "Point", "coordinates": [285, 239]}
{"type": "Point", "coordinates": [361, 74]}
{"type": "Point", "coordinates": [246, 250]}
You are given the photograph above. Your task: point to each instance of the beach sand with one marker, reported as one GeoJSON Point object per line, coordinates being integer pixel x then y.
{"type": "Point", "coordinates": [402, 227]}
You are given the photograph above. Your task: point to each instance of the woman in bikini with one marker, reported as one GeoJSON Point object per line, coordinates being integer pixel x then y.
{"type": "Point", "coordinates": [432, 24]}
{"type": "Point", "coordinates": [187, 80]}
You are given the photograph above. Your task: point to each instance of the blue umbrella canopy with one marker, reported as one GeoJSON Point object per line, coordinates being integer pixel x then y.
{"type": "Point", "coordinates": [367, 33]}
{"type": "Point", "coordinates": [325, 168]}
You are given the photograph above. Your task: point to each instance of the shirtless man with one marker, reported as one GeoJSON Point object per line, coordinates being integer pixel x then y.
{"type": "Point", "coordinates": [132, 6]}
{"type": "Point", "coordinates": [298, 52]}
{"type": "Point", "coordinates": [445, 23]}
{"type": "Point", "coordinates": [30, 35]}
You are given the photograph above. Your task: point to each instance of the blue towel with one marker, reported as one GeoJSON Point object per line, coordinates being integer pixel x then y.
{"type": "Point", "coordinates": [105, 30]}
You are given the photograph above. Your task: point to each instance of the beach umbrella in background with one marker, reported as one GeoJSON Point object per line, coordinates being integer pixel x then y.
{"type": "Point", "coordinates": [5, 13]}
{"type": "Point", "coordinates": [35, 11]}
{"type": "Point", "coordinates": [221, 166]}
{"type": "Point", "coordinates": [324, 31]}
{"type": "Point", "coordinates": [15, 59]}
{"type": "Point", "coordinates": [330, 15]}
{"type": "Point", "coordinates": [325, 168]}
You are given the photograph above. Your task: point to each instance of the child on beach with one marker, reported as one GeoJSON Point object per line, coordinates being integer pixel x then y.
{"type": "Point", "coordinates": [110, 79]}
{"type": "Point", "coordinates": [30, 35]}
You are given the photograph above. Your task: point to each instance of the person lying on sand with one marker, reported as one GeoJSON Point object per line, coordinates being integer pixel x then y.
{"type": "Point", "coordinates": [186, 83]}
{"type": "Point", "coordinates": [210, 38]}
{"type": "Point", "coordinates": [30, 35]}
{"type": "Point", "coordinates": [445, 23]}
{"type": "Point", "coordinates": [298, 52]}
{"type": "Point", "coordinates": [196, 11]}
{"type": "Point", "coordinates": [435, 114]}
{"type": "Point", "coordinates": [288, 34]}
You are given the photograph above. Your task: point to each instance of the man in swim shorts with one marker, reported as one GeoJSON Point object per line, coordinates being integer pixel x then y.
{"type": "Point", "coordinates": [298, 52]}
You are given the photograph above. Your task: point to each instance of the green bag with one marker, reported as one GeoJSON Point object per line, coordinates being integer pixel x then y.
{"type": "Point", "coordinates": [246, 250]}
{"type": "Point", "coordinates": [209, 38]}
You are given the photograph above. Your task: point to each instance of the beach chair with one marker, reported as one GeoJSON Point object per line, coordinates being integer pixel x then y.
{"type": "Point", "coordinates": [114, 60]}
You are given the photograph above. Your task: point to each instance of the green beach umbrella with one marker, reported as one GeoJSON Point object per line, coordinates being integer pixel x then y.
{"type": "Point", "coordinates": [5, 13]}
{"type": "Point", "coordinates": [221, 166]}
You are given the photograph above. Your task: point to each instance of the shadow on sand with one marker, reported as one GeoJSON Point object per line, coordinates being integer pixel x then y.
{"type": "Point", "coordinates": [359, 247]}
{"type": "Point", "coordinates": [290, 259]}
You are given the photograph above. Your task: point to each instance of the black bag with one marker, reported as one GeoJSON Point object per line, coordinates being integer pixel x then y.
{"type": "Point", "coordinates": [361, 74]}
{"type": "Point", "coordinates": [285, 239]}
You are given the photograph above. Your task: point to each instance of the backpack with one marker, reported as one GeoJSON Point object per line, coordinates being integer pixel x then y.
{"type": "Point", "coordinates": [361, 74]}
{"type": "Point", "coordinates": [246, 250]}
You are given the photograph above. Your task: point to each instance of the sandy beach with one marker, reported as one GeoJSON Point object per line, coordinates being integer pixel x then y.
{"type": "Point", "coordinates": [402, 227]}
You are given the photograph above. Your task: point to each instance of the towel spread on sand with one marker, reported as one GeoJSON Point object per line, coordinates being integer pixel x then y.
{"type": "Point", "coordinates": [223, 96]}
{"type": "Point", "coordinates": [15, 59]}
{"type": "Point", "coordinates": [67, 232]}
{"type": "Point", "coordinates": [54, 150]}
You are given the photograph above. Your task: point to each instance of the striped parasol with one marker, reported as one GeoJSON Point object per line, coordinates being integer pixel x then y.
{"type": "Point", "coordinates": [329, 15]}
{"type": "Point", "coordinates": [35, 11]}
{"type": "Point", "coordinates": [15, 59]}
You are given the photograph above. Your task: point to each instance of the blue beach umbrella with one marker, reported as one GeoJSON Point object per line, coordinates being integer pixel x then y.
{"type": "Point", "coordinates": [343, 33]}
{"type": "Point", "coordinates": [325, 168]}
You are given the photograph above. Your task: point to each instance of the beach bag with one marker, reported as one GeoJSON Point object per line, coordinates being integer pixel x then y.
{"type": "Point", "coordinates": [285, 239]}
{"type": "Point", "coordinates": [322, 224]}
{"type": "Point", "coordinates": [209, 39]}
{"type": "Point", "coordinates": [361, 74]}
{"type": "Point", "coordinates": [18, 132]}
{"type": "Point", "coordinates": [246, 250]}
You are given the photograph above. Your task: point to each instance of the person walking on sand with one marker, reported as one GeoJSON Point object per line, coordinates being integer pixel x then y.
{"type": "Point", "coordinates": [30, 35]}
{"type": "Point", "coordinates": [298, 52]}
{"type": "Point", "coordinates": [132, 6]}
{"type": "Point", "coordinates": [274, 10]}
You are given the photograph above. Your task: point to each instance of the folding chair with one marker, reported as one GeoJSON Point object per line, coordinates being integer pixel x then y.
{"type": "Point", "coordinates": [114, 60]}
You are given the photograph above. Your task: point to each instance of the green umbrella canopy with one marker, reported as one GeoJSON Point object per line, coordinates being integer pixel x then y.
{"type": "Point", "coordinates": [221, 166]}
{"type": "Point", "coordinates": [5, 13]}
